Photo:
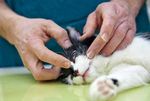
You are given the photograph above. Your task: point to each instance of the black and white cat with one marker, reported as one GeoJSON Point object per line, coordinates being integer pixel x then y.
{"type": "Point", "coordinates": [122, 70]}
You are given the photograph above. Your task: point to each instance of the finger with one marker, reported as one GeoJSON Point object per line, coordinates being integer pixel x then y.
{"type": "Point", "coordinates": [46, 55]}
{"type": "Point", "coordinates": [89, 27]}
{"type": "Point", "coordinates": [104, 36]}
{"type": "Point", "coordinates": [127, 40]}
{"type": "Point", "coordinates": [41, 74]}
{"type": "Point", "coordinates": [38, 71]}
{"type": "Point", "coordinates": [119, 35]}
{"type": "Point", "coordinates": [36, 67]}
{"type": "Point", "coordinates": [58, 33]}
{"type": "Point", "coordinates": [25, 56]}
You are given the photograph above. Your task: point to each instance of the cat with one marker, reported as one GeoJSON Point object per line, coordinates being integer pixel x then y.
{"type": "Point", "coordinates": [123, 70]}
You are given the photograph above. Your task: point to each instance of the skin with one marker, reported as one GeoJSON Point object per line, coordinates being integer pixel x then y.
{"type": "Point", "coordinates": [29, 37]}
{"type": "Point", "coordinates": [115, 21]}
{"type": "Point", "coordinates": [115, 18]}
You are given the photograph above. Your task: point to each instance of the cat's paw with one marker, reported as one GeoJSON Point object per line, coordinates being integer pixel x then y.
{"type": "Point", "coordinates": [103, 88]}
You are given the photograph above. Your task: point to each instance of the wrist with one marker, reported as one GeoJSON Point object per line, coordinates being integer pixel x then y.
{"type": "Point", "coordinates": [8, 21]}
{"type": "Point", "coordinates": [133, 5]}
{"type": "Point", "coordinates": [8, 27]}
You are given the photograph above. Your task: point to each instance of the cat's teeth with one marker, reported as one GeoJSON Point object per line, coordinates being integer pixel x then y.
{"type": "Point", "coordinates": [72, 64]}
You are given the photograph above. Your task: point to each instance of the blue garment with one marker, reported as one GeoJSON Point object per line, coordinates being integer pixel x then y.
{"type": "Point", "coordinates": [64, 13]}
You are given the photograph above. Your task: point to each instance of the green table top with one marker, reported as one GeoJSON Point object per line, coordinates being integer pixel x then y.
{"type": "Point", "coordinates": [22, 87]}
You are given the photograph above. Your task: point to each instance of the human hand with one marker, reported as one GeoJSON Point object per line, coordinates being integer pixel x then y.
{"type": "Point", "coordinates": [116, 23]}
{"type": "Point", "coordinates": [29, 37]}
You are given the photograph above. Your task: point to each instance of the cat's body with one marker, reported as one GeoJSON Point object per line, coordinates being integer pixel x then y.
{"type": "Point", "coordinates": [122, 70]}
{"type": "Point", "coordinates": [129, 68]}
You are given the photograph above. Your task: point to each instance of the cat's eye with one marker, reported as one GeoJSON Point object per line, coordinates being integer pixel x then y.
{"type": "Point", "coordinates": [74, 54]}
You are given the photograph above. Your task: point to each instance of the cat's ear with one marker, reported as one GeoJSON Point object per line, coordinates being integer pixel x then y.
{"type": "Point", "coordinates": [74, 35]}
{"type": "Point", "coordinates": [88, 41]}
{"type": "Point", "coordinates": [73, 51]}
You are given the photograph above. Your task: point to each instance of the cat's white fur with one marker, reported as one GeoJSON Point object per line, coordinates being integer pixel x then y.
{"type": "Point", "coordinates": [131, 67]}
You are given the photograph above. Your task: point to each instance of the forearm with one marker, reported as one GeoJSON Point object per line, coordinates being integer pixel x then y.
{"type": "Point", "coordinates": [134, 5]}
{"type": "Point", "coordinates": [7, 20]}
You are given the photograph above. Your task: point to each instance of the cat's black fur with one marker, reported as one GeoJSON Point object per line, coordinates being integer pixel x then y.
{"type": "Point", "coordinates": [77, 48]}
{"type": "Point", "coordinates": [146, 35]}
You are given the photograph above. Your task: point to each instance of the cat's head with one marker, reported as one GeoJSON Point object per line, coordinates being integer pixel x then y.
{"type": "Point", "coordinates": [82, 70]}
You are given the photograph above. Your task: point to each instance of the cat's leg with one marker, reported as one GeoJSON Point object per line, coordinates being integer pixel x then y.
{"type": "Point", "coordinates": [122, 77]}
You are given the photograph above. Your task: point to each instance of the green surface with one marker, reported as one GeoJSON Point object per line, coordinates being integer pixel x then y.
{"type": "Point", "coordinates": [22, 87]}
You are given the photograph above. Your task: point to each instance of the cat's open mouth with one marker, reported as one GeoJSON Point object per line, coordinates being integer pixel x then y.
{"type": "Point", "coordinates": [85, 74]}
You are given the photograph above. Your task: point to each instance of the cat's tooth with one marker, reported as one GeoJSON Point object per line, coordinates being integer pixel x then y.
{"type": "Point", "coordinates": [72, 64]}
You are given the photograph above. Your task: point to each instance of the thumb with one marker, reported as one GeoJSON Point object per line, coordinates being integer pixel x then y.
{"type": "Point", "coordinates": [89, 27]}
{"type": "Point", "coordinates": [58, 33]}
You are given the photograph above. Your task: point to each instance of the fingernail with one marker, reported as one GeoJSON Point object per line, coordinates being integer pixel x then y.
{"type": "Point", "coordinates": [82, 37]}
{"type": "Point", "coordinates": [90, 55]}
{"type": "Point", "coordinates": [67, 44]}
{"type": "Point", "coordinates": [104, 54]}
{"type": "Point", "coordinates": [67, 64]}
{"type": "Point", "coordinates": [84, 31]}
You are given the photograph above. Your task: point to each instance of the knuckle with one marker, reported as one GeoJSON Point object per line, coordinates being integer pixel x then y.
{"type": "Point", "coordinates": [31, 40]}
{"type": "Point", "coordinates": [108, 24]}
{"type": "Point", "coordinates": [90, 15]}
{"type": "Point", "coordinates": [124, 12]}
{"type": "Point", "coordinates": [42, 56]}
{"type": "Point", "coordinates": [61, 34]}
{"type": "Point", "coordinates": [128, 39]}
{"type": "Point", "coordinates": [49, 21]}
{"type": "Point", "coordinates": [57, 62]}
{"type": "Point", "coordinates": [101, 6]}
{"type": "Point", "coordinates": [97, 11]}
{"type": "Point", "coordinates": [113, 17]}
{"type": "Point", "coordinates": [124, 8]}
{"type": "Point", "coordinates": [121, 34]}
{"type": "Point", "coordinates": [125, 25]}
{"type": "Point", "coordinates": [54, 61]}
{"type": "Point", "coordinates": [28, 41]}
{"type": "Point", "coordinates": [98, 7]}
{"type": "Point", "coordinates": [29, 65]}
